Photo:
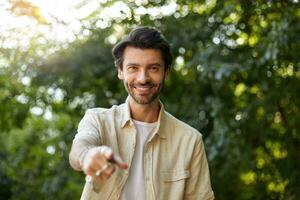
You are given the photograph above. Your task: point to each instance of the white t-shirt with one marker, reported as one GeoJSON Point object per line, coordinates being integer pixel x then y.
{"type": "Point", "coordinates": [134, 188]}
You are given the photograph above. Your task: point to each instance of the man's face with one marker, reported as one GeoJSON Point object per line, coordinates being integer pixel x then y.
{"type": "Point", "coordinates": [143, 74]}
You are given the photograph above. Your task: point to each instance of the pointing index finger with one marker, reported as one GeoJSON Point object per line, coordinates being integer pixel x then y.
{"type": "Point", "coordinates": [118, 161]}
{"type": "Point", "coordinates": [115, 159]}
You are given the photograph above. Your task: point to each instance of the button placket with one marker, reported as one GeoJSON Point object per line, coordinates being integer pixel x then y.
{"type": "Point", "coordinates": [132, 144]}
{"type": "Point", "coordinates": [148, 170]}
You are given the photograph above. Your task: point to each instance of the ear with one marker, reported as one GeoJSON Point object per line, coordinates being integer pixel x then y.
{"type": "Point", "coordinates": [120, 73]}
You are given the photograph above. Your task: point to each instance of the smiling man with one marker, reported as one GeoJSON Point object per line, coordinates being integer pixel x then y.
{"type": "Point", "coordinates": [137, 150]}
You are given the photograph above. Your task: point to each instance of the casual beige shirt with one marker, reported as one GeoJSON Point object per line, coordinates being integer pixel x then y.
{"type": "Point", "coordinates": [175, 164]}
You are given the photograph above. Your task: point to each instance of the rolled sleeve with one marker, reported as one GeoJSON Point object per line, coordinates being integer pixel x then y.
{"type": "Point", "coordinates": [199, 185]}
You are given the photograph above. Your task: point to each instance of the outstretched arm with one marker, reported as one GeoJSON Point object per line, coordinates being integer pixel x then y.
{"type": "Point", "coordinates": [87, 152]}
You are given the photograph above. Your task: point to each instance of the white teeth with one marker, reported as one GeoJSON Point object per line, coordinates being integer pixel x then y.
{"type": "Point", "coordinates": [143, 88]}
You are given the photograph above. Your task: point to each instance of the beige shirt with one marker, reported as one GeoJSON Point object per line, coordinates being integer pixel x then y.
{"type": "Point", "coordinates": [175, 164]}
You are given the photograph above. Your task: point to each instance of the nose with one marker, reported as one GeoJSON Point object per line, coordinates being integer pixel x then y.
{"type": "Point", "coordinates": [143, 76]}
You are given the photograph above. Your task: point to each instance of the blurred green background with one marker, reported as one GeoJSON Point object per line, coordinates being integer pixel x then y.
{"type": "Point", "coordinates": [235, 78]}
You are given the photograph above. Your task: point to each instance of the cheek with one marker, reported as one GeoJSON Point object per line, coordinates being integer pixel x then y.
{"type": "Point", "coordinates": [128, 79]}
{"type": "Point", "coordinates": [160, 79]}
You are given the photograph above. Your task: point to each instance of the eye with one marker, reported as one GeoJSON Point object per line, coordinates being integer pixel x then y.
{"type": "Point", "coordinates": [154, 68]}
{"type": "Point", "coordinates": [132, 68]}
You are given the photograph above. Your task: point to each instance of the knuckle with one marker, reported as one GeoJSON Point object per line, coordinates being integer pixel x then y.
{"type": "Point", "coordinates": [89, 171]}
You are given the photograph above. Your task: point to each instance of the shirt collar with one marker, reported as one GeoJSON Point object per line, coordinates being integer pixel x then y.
{"type": "Point", "coordinates": [126, 113]}
{"type": "Point", "coordinates": [126, 118]}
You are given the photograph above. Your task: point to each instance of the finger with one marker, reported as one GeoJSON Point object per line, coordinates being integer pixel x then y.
{"type": "Point", "coordinates": [88, 168]}
{"type": "Point", "coordinates": [93, 162]}
{"type": "Point", "coordinates": [104, 172]}
{"type": "Point", "coordinates": [101, 166]}
{"type": "Point", "coordinates": [106, 152]}
{"type": "Point", "coordinates": [109, 171]}
{"type": "Point", "coordinates": [118, 160]}
{"type": "Point", "coordinates": [92, 169]}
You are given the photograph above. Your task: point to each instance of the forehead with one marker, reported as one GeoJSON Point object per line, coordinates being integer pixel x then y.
{"type": "Point", "coordinates": [138, 55]}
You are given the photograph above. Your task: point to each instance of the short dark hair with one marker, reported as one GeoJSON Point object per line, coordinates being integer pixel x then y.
{"type": "Point", "coordinates": [144, 38]}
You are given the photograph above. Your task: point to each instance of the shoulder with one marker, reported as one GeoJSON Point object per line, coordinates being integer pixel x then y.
{"type": "Point", "coordinates": [100, 110]}
{"type": "Point", "coordinates": [103, 111]}
{"type": "Point", "coordinates": [100, 114]}
{"type": "Point", "coordinates": [181, 129]}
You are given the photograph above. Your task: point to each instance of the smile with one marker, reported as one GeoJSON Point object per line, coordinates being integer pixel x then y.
{"type": "Point", "coordinates": [143, 89]}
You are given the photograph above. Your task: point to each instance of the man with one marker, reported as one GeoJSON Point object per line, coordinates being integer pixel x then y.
{"type": "Point", "coordinates": [137, 150]}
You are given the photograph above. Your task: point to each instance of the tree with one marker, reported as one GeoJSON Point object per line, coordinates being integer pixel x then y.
{"type": "Point", "coordinates": [236, 61]}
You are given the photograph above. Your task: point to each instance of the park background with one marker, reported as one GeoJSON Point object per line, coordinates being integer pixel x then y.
{"type": "Point", "coordinates": [235, 78]}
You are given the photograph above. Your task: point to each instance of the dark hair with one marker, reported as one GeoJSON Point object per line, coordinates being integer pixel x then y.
{"type": "Point", "coordinates": [143, 38]}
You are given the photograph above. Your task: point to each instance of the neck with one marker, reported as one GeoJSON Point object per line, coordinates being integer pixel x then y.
{"type": "Point", "coordinates": [144, 112]}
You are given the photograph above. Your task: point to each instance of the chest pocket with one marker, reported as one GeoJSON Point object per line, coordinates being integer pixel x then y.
{"type": "Point", "coordinates": [177, 175]}
{"type": "Point", "coordinates": [172, 184]}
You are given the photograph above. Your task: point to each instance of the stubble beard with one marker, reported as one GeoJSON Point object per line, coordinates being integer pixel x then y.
{"type": "Point", "coordinates": [145, 99]}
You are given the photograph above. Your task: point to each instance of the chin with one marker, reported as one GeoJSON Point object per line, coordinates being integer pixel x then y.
{"type": "Point", "coordinates": [143, 100]}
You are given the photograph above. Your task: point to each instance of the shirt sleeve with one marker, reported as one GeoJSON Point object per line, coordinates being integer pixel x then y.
{"type": "Point", "coordinates": [89, 129]}
{"type": "Point", "coordinates": [198, 185]}
{"type": "Point", "coordinates": [88, 133]}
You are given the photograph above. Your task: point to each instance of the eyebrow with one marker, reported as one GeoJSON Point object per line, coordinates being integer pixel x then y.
{"type": "Point", "coordinates": [136, 64]}
{"type": "Point", "coordinates": [132, 64]}
{"type": "Point", "coordinates": [155, 64]}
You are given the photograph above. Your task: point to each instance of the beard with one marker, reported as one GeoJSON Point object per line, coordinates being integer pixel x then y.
{"type": "Point", "coordinates": [144, 99]}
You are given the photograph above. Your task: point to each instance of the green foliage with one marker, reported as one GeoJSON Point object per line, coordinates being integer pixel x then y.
{"type": "Point", "coordinates": [235, 78]}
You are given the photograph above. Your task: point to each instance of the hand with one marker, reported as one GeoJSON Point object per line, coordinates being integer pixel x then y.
{"type": "Point", "coordinates": [99, 163]}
